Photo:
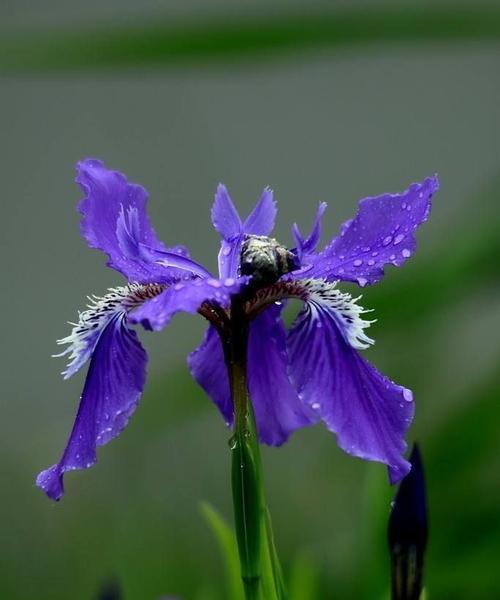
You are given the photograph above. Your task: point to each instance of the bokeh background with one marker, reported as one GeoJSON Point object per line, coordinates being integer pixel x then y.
{"type": "Point", "coordinates": [324, 101]}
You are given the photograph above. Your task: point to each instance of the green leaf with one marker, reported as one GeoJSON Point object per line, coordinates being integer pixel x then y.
{"type": "Point", "coordinates": [304, 578]}
{"type": "Point", "coordinates": [227, 544]}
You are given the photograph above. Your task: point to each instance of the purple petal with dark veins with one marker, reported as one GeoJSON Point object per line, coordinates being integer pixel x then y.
{"type": "Point", "coordinates": [381, 233]}
{"type": "Point", "coordinates": [367, 411]}
{"type": "Point", "coordinates": [114, 219]}
{"type": "Point", "coordinates": [261, 220]}
{"type": "Point", "coordinates": [113, 386]}
{"type": "Point", "coordinates": [225, 217]}
{"type": "Point", "coordinates": [208, 367]}
{"type": "Point", "coordinates": [186, 296]}
{"type": "Point", "coordinates": [278, 409]}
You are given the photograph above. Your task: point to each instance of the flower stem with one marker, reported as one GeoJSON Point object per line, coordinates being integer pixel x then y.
{"type": "Point", "coordinates": [248, 494]}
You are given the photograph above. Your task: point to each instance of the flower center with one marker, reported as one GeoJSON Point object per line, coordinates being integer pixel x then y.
{"type": "Point", "coordinates": [265, 260]}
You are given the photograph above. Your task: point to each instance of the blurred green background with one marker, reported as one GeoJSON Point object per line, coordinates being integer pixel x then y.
{"type": "Point", "coordinates": [321, 100]}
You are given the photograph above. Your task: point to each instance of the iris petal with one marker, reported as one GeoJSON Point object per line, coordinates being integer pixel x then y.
{"type": "Point", "coordinates": [208, 367]}
{"type": "Point", "coordinates": [308, 245]}
{"type": "Point", "coordinates": [113, 386]}
{"type": "Point", "coordinates": [381, 233]}
{"type": "Point", "coordinates": [261, 220]}
{"type": "Point", "coordinates": [278, 409]}
{"type": "Point", "coordinates": [367, 411]}
{"type": "Point", "coordinates": [186, 296]}
{"type": "Point", "coordinates": [225, 217]}
{"type": "Point", "coordinates": [115, 220]}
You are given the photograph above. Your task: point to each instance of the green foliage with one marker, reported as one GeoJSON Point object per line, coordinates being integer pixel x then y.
{"type": "Point", "coordinates": [228, 548]}
{"type": "Point", "coordinates": [160, 44]}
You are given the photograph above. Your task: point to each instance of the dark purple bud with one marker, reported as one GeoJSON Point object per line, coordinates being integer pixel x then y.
{"type": "Point", "coordinates": [408, 530]}
{"type": "Point", "coordinates": [109, 591]}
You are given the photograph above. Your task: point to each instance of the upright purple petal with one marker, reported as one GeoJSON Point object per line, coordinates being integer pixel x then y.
{"type": "Point", "coordinates": [367, 411]}
{"type": "Point", "coordinates": [114, 220]}
{"type": "Point", "coordinates": [229, 257]}
{"type": "Point", "coordinates": [308, 245]}
{"type": "Point", "coordinates": [381, 233]}
{"type": "Point", "coordinates": [186, 296]}
{"type": "Point", "coordinates": [261, 220]}
{"type": "Point", "coordinates": [208, 367]}
{"type": "Point", "coordinates": [228, 223]}
{"type": "Point", "coordinates": [225, 217]}
{"type": "Point", "coordinates": [278, 409]}
{"type": "Point", "coordinates": [113, 386]}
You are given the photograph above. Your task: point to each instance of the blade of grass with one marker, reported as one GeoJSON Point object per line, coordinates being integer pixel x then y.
{"type": "Point", "coordinates": [228, 548]}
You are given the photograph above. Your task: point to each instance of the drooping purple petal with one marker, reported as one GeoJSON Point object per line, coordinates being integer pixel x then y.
{"type": "Point", "coordinates": [367, 411]}
{"type": "Point", "coordinates": [186, 296]}
{"type": "Point", "coordinates": [382, 232]}
{"type": "Point", "coordinates": [278, 409]}
{"type": "Point", "coordinates": [85, 334]}
{"type": "Point", "coordinates": [308, 245]}
{"type": "Point", "coordinates": [114, 220]}
{"type": "Point", "coordinates": [225, 217]}
{"type": "Point", "coordinates": [261, 220]}
{"type": "Point", "coordinates": [208, 367]}
{"type": "Point", "coordinates": [113, 386]}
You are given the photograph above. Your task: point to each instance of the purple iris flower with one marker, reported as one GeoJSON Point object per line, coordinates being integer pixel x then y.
{"type": "Point", "coordinates": [313, 371]}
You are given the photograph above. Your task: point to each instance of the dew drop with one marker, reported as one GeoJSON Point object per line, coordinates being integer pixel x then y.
{"type": "Point", "coordinates": [178, 286]}
{"type": "Point", "coordinates": [229, 282]}
{"type": "Point", "coordinates": [406, 253]}
{"type": "Point", "coordinates": [403, 206]}
{"type": "Point", "coordinates": [398, 239]}
{"type": "Point", "coordinates": [375, 253]}
{"type": "Point", "coordinates": [233, 442]}
{"type": "Point", "coordinates": [392, 257]}
{"type": "Point", "coordinates": [408, 208]}
{"type": "Point", "coordinates": [371, 262]}
{"type": "Point", "coordinates": [214, 283]}
{"type": "Point", "coordinates": [387, 240]}
{"type": "Point", "coordinates": [226, 251]}
{"type": "Point", "coordinates": [362, 281]}
{"type": "Point", "coordinates": [407, 395]}
{"type": "Point", "coordinates": [315, 405]}
{"type": "Point", "coordinates": [341, 270]}
{"type": "Point", "coordinates": [358, 262]}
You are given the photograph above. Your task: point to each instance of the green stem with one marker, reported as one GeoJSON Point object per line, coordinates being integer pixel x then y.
{"type": "Point", "coordinates": [248, 494]}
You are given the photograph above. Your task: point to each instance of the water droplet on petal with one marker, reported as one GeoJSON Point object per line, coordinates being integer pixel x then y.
{"type": "Point", "coordinates": [362, 281]}
{"type": "Point", "coordinates": [375, 253]}
{"type": "Point", "coordinates": [398, 239]}
{"type": "Point", "coordinates": [229, 282]}
{"type": "Point", "coordinates": [406, 253]}
{"type": "Point", "coordinates": [407, 395]}
{"type": "Point", "coordinates": [371, 262]}
{"type": "Point", "coordinates": [387, 240]}
{"type": "Point", "coordinates": [178, 286]}
{"type": "Point", "coordinates": [392, 257]}
{"type": "Point", "coordinates": [226, 251]}
{"type": "Point", "coordinates": [315, 405]}
{"type": "Point", "coordinates": [358, 262]}
{"type": "Point", "coordinates": [214, 283]}
{"type": "Point", "coordinates": [403, 206]}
